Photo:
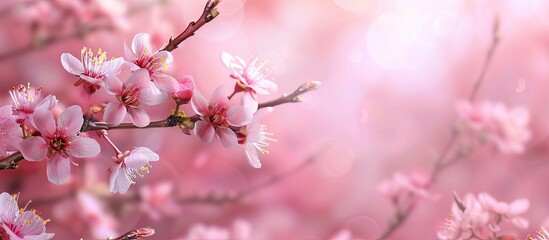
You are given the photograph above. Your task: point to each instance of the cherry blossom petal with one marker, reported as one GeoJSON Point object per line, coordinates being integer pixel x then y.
{"type": "Point", "coordinates": [199, 104]}
{"type": "Point", "coordinates": [139, 117]}
{"type": "Point", "coordinates": [71, 120]}
{"type": "Point", "coordinates": [83, 147]}
{"type": "Point", "coordinates": [141, 44]}
{"type": "Point", "coordinates": [59, 169]}
{"type": "Point", "coordinates": [519, 206]}
{"type": "Point", "coordinates": [34, 148]}
{"type": "Point", "coordinates": [165, 82]}
{"type": "Point", "coordinates": [48, 102]}
{"type": "Point", "coordinates": [129, 54]}
{"type": "Point", "coordinates": [114, 66]}
{"type": "Point", "coordinates": [119, 181]}
{"type": "Point", "coordinates": [164, 57]}
{"type": "Point", "coordinates": [113, 85]}
{"type": "Point", "coordinates": [252, 156]}
{"type": "Point", "coordinates": [204, 131]}
{"type": "Point", "coordinates": [94, 80]}
{"type": "Point", "coordinates": [220, 96]}
{"type": "Point", "coordinates": [152, 95]}
{"type": "Point", "coordinates": [140, 79]}
{"type": "Point", "coordinates": [29, 223]}
{"type": "Point", "coordinates": [8, 208]}
{"type": "Point", "coordinates": [239, 116]}
{"type": "Point", "coordinates": [114, 113]}
{"type": "Point", "coordinates": [139, 157]}
{"type": "Point", "coordinates": [264, 86]}
{"type": "Point", "coordinates": [249, 101]}
{"type": "Point", "coordinates": [227, 137]}
{"type": "Point", "coordinates": [520, 222]}
{"type": "Point", "coordinates": [44, 122]}
{"type": "Point", "coordinates": [72, 64]}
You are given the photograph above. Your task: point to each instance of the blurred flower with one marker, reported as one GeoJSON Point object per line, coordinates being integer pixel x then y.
{"type": "Point", "coordinates": [113, 10]}
{"type": "Point", "coordinates": [467, 217]}
{"type": "Point", "coordinates": [507, 128]}
{"type": "Point", "coordinates": [542, 234]}
{"type": "Point", "coordinates": [141, 56]}
{"type": "Point", "coordinates": [240, 230]}
{"type": "Point", "coordinates": [10, 132]}
{"type": "Point", "coordinates": [217, 115]}
{"type": "Point", "coordinates": [505, 211]}
{"type": "Point", "coordinates": [92, 69]}
{"type": "Point", "coordinates": [132, 163]}
{"type": "Point", "coordinates": [415, 183]}
{"type": "Point", "coordinates": [342, 235]}
{"type": "Point", "coordinates": [20, 224]}
{"type": "Point", "coordinates": [255, 138]}
{"type": "Point", "coordinates": [157, 199]}
{"type": "Point", "coordinates": [250, 78]}
{"type": "Point", "coordinates": [27, 99]}
{"type": "Point", "coordinates": [186, 90]}
{"type": "Point", "coordinates": [136, 90]}
{"type": "Point", "coordinates": [86, 211]}
{"type": "Point", "coordinates": [59, 142]}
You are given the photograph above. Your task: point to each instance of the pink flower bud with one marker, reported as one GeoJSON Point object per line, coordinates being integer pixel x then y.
{"type": "Point", "coordinates": [186, 89]}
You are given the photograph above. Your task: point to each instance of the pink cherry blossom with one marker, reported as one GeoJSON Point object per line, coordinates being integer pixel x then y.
{"type": "Point", "coordinates": [135, 91]}
{"type": "Point", "coordinates": [59, 141]}
{"type": "Point", "coordinates": [92, 69]}
{"type": "Point", "coordinates": [20, 225]}
{"type": "Point", "coordinates": [506, 211]}
{"type": "Point", "coordinates": [255, 138]}
{"type": "Point", "coordinates": [26, 99]}
{"type": "Point", "coordinates": [158, 199]}
{"type": "Point", "coordinates": [132, 163]}
{"type": "Point", "coordinates": [217, 116]}
{"type": "Point", "coordinates": [186, 89]}
{"type": "Point", "coordinates": [542, 234]}
{"type": "Point", "coordinates": [250, 78]}
{"type": "Point", "coordinates": [416, 183]}
{"type": "Point", "coordinates": [506, 128]}
{"type": "Point", "coordinates": [141, 55]}
{"type": "Point", "coordinates": [10, 132]}
{"type": "Point", "coordinates": [463, 223]}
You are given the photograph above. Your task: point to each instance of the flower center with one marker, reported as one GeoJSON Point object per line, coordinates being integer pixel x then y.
{"type": "Point", "coordinates": [130, 97]}
{"type": "Point", "coordinates": [25, 98]}
{"type": "Point", "coordinates": [93, 64]}
{"type": "Point", "coordinates": [59, 144]}
{"type": "Point", "coordinates": [218, 115]}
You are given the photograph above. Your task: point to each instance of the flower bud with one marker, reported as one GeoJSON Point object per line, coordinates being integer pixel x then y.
{"type": "Point", "coordinates": [186, 90]}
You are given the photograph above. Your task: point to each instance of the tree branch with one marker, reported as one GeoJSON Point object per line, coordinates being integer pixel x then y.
{"type": "Point", "coordinates": [293, 97]}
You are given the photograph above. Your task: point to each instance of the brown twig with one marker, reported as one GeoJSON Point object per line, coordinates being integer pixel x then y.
{"type": "Point", "coordinates": [440, 163]}
{"type": "Point", "coordinates": [293, 97]}
{"type": "Point", "coordinates": [136, 234]}
{"type": "Point", "coordinates": [209, 13]}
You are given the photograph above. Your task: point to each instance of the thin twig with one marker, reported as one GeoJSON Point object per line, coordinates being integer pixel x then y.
{"type": "Point", "coordinates": [293, 97]}
{"type": "Point", "coordinates": [440, 165]}
{"type": "Point", "coordinates": [209, 13]}
{"type": "Point", "coordinates": [136, 234]}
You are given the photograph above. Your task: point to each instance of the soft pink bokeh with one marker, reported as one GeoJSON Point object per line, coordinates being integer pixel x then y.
{"type": "Point", "coordinates": [391, 72]}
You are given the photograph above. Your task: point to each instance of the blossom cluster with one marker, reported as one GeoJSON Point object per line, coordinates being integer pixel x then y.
{"type": "Point", "coordinates": [480, 217]}
{"type": "Point", "coordinates": [30, 124]}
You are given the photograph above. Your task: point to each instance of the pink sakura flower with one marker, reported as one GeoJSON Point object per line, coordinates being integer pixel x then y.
{"type": "Point", "coordinates": [240, 230]}
{"type": "Point", "coordinates": [415, 183]}
{"type": "Point", "coordinates": [254, 137]}
{"type": "Point", "coordinates": [20, 225]}
{"type": "Point", "coordinates": [132, 163]}
{"type": "Point", "coordinates": [467, 217]}
{"type": "Point", "coordinates": [135, 91]}
{"type": "Point", "coordinates": [92, 69]}
{"type": "Point", "coordinates": [186, 90]}
{"type": "Point", "coordinates": [10, 132]}
{"type": "Point", "coordinates": [250, 78]}
{"type": "Point", "coordinates": [141, 55]}
{"type": "Point", "coordinates": [59, 142]}
{"type": "Point", "coordinates": [218, 116]}
{"type": "Point", "coordinates": [158, 200]}
{"type": "Point", "coordinates": [507, 128]}
{"type": "Point", "coordinates": [542, 234]}
{"type": "Point", "coordinates": [505, 211]}
{"type": "Point", "coordinates": [27, 99]}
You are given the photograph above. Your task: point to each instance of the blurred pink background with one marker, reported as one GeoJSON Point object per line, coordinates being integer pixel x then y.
{"type": "Point", "coordinates": [391, 72]}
